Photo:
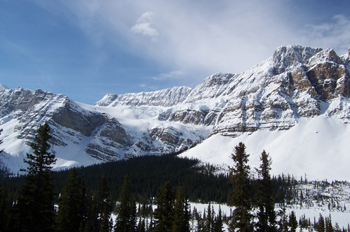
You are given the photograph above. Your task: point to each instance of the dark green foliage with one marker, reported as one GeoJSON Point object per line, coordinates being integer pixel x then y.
{"type": "Point", "coordinates": [163, 215]}
{"type": "Point", "coordinates": [328, 223]}
{"type": "Point", "coordinates": [209, 220]}
{"type": "Point", "coordinates": [126, 219]}
{"type": "Point", "coordinates": [6, 200]}
{"type": "Point", "coordinates": [218, 223]}
{"type": "Point", "coordinates": [149, 172]}
{"type": "Point", "coordinates": [104, 205]}
{"type": "Point", "coordinates": [71, 207]}
{"type": "Point", "coordinates": [293, 223]}
{"type": "Point", "coordinates": [239, 196]}
{"type": "Point", "coordinates": [181, 212]}
{"type": "Point", "coordinates": [35, 208]}
{"type": "Point", "coordinates": [320, 225]}
{"type": "Point", "coordinates": [264, 197]}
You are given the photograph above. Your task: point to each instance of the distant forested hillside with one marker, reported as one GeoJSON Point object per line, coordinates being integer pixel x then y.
{"type": "Point", "coordinates": [147, 174]}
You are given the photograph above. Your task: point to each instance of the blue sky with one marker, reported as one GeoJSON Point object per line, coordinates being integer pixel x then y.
{"type": "Point", "coordinates": [87, 48]}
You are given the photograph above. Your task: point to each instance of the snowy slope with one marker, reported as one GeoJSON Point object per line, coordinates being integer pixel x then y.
{"type": "Point", "coordinates": [318, 147]}
{"type": "Point", "coordinates": [295, 105]}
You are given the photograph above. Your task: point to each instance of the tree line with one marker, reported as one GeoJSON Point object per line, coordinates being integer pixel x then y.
{"type": "Point", "coordinates": [84, 205]}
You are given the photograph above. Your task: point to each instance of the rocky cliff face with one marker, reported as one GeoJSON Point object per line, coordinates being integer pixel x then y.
{"type": "Point", "coordinates": [294, 82]}
{"type": "Point", "coordinates": [272, 95]}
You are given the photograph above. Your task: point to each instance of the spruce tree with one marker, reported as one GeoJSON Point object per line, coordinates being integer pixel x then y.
{"type": "Point", "coordinates": [320, 225]}
{"type": "Point", "coordinates": [126, 219]}
{"type": "Point", "coordinates": [266, 206]}
{"type": "Point", "coordinates": [181, 214]}
{"type": "Point", "coordinates": [104, 206]}
{"type": "Point", "coordinates": [218, 224]}
{"type": "Point", "coordinates": [240, 194]}
{"type": "Point", "coordinates": [208, 224]}
{"type": "Point", "coordinates": [35, 208]}
{"type": "Point", "coordinates": [165, 207]}
{"type": "Point", "coordinates": [293, 223]}
{"type": "Point", "coordinates": [71, 207]}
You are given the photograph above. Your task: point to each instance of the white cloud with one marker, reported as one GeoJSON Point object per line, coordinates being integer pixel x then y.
{"type": "Point", "coordinates": [170, 75]}
{"type": "Point", "coordinates": [207, 37]}
{"type": "Point", "coordinates": [334, 34]}
{"type": "Point", "coordinates": [144, 25]}
{"type": "Point", "coordinates": [147, 87]}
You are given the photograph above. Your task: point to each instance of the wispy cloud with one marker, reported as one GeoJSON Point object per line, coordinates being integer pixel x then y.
{"type": "Point", "coordinates": [199, 38]}
{"type": "Point", "coordinates": [170, 75]}
{"type": "Point", "coordinates": [334, 34]}
{"type": "Point", "coordinates": [144, 25]}
{"type": "Point", "coordinates": [147, 87]}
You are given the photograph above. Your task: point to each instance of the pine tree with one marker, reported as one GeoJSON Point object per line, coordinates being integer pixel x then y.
{"type": "Point", "coordinates": [240, 194]}
{"type": "Point", "coordinates": [35, 208]}
{"type": "Point", "coordinates": [266, 207]}
{"type": "Point", "coordinates": [165, 208]}
{"type": "Point", "coordinates": [126, 219]}
{"type": "Point", "coordinates": [71, 207]}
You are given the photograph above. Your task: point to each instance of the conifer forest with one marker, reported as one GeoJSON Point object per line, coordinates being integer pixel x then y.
{"type": "Point", "coordinates": [150, 193]}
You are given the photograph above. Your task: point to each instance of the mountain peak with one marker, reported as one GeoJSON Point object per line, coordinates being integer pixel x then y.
{"type": "Point", "coordinates": [165, 97]}
{"type": "Point", "coordinates": [295, 82]}
{"type": "Point", "coordinates": [287, 57]}
{"type": "Point", "coordinates": [3, 87]}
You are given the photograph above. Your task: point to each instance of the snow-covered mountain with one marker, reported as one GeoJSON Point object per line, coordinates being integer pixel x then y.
{"type": "Point", "coordinates": [295, 87]}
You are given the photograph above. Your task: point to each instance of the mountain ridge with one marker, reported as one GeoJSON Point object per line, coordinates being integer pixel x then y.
{"type": "Point", "coordinates": [295, 82]}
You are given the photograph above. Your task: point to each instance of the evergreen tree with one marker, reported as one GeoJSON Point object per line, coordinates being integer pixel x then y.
{"type": "Point", "coordinates": [283, 222]}
{"type": "Point", "coordinates": [181, 213]}
{"type": "Point", "coordinates": [208, 224]}
{"type": "Point", "coordinates": [320, 225]}
{"type": "Point", "coordinates": [104, 206]}
{"type": "Point", "coordinates": [218, 224]}
{"type": "Point", "coordinates": [91, 213]}
{"type": "Point", "coordinates": [240, 194]}
{"type": "Point", "coordinates": [106, 224]}
{"type": "Point", "coordinates": [6, 202]}
{"type": "Point", "coordinates": [266, 206]}
{"type": "Point", "coordinates": [293, 223]}
{"type": "Point", "coordinates": [71, 207]}
{"type": "Point", "coordinates": [165, 208]}
{"type": "Point", "coordinates": [35, 208]}
{"type": "Point", "coordinates": [126, 219]}
{"type": "Point", "coordinates": [328, 222]}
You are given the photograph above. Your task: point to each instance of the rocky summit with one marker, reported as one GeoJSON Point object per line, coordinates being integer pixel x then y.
{"type": "Point", "coordinates": [295, 82]}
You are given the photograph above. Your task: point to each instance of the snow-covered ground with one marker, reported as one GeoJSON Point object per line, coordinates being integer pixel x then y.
{"type": "Point", "coordinates": [342, 218]}
{"type": "Point", "coordinates": [318, 147]}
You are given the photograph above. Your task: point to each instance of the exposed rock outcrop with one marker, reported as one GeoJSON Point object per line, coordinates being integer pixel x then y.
{"type": "Point", "coordinates": [294, 82]}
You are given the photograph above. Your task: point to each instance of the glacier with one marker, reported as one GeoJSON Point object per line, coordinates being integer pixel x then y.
{"type": "Point", "coordinates": [295, 105]}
